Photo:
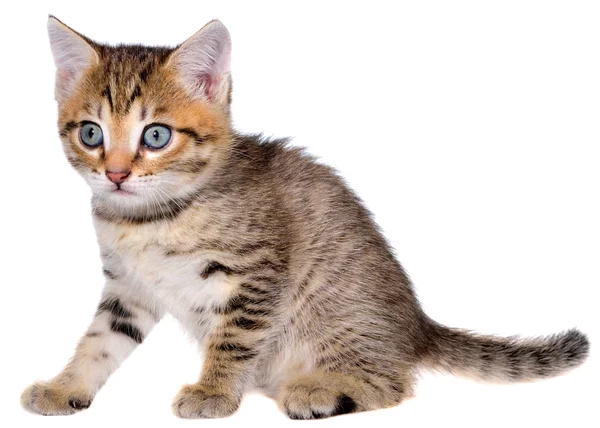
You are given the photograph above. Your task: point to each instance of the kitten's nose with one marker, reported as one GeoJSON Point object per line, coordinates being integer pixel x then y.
{"type": "Point", "coordinates": [117, 177]}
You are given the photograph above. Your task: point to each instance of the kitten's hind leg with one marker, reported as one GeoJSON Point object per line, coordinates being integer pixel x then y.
{"type": "Point", "coordinates": [323, 394]}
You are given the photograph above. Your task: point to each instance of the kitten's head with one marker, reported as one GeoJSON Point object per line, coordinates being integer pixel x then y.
{"type": "Point", "coordinates": [143, 125]}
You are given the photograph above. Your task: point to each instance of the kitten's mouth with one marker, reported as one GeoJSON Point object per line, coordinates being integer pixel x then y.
{"type": "Point", "coordinates": [123, 192]}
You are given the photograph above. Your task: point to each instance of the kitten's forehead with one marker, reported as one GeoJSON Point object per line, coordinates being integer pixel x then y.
{"type": "Point", "coordinates": [124, 74]}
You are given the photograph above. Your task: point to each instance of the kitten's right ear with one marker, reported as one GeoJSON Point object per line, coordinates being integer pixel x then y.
{"type": "Point", "coordinates": [73, 55]}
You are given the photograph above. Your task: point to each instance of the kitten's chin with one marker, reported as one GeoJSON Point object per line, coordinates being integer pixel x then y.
{"type": "Point", "coordinates": [123, 193]}
{"type": "Point", "coordinates": [122, 196]}
{"type": "Point", "coordinates": [120, 201]}
{"type": "Point", "coordinates": [122, 204]}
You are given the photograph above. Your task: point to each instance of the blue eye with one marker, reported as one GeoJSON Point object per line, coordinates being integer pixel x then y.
{"type": "Point", "coordinates": [157, 136]}
{"type": "Point", "coordinates": [90, 134]}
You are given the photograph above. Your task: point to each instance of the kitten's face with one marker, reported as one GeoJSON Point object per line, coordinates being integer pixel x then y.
{"type": "Point", "coordinates": [143, 126]}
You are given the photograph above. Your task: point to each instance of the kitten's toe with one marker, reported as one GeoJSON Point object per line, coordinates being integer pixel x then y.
{"type": "Point", "coordinates": [305, 402]}
{"type": "Point", "coordinates": [194, 402]}
{"type": "Point", "coordinates": [53, 399]}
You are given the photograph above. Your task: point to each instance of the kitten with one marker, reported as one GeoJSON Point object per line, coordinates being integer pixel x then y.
{"type": "Point", "coordinates": [264, 255]}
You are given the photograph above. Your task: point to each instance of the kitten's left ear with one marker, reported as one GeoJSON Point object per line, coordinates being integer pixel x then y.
{"type": "Point", "coordinates": [73, 55]}
{"type": "Point", "coordinates": [203, 64]}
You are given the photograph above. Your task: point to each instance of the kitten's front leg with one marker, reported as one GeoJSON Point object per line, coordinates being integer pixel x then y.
{"type": "Point", "coordinates": [120, 324]}
{"type": "Point", "coordinates": [232, 351]}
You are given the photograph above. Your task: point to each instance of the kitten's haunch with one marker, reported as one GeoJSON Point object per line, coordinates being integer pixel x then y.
{"type": "Point", "coordinates": [263, 254]}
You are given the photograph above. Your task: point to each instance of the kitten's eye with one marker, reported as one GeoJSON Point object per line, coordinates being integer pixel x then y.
{"type": "Point", "coordinates": [90, 134]}
{"type": "Point", "coordinates": [157, 136]}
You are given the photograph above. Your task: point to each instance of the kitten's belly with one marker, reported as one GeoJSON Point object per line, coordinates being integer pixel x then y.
{"type": "Point", "coordinates": [175, 284]}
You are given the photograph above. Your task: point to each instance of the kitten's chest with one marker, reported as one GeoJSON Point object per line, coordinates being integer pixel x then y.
{"type": "Point", "coordinates": [174, 280]}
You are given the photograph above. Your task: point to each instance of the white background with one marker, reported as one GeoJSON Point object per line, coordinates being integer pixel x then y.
{"type": "Point", "coordinates": [470, 129]}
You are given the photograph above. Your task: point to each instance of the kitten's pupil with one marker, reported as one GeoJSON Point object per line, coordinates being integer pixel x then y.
{"type": "Point", "coordinates": [155, 134]}
{"type": "Point", "coordinates": [91, 132]}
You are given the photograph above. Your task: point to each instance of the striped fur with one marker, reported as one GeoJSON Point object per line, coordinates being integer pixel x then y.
{"type": "Point", "coordinates": [264, 255]}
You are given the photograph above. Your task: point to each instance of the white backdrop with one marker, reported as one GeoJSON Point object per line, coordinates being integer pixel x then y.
{"type": "Point", "coordinates": [470, 129]}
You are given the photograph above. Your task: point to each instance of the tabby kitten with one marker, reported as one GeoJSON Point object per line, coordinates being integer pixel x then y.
{"type": "Point", "coordinates": [263, 254]}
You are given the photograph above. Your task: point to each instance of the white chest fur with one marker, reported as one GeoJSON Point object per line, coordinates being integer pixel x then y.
{"type": "Point", "coordinates": [174, 281]}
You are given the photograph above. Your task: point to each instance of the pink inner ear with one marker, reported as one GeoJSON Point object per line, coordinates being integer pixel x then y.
{"type": "Point", "coordinates": [210, 83]}
{"type": "Point", "coordinates": [64, 80]}
{"type": "Point", "coordinates": [65, 74]}
{"type": "Point", "coordinates": [203, 63]}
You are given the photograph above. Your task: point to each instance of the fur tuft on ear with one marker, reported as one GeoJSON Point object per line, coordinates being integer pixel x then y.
{"type": "Point", "coordinates": [73, 55]}
{"type": "Point", "coordinates": [203, 64]}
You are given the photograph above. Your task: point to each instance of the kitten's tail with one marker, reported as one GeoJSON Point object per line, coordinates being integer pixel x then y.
{"type": "Point", "coordinates": [511, 359]}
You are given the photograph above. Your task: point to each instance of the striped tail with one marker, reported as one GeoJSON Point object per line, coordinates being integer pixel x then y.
{"type": "Point", "coordinates": [511, 359]}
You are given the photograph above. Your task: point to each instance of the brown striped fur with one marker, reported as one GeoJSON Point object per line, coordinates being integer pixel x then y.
{"type": "Point", "coordinates": [263, 254]}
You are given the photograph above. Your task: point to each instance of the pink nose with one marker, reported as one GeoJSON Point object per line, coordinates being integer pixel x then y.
{"type": "Point", "coordinates": [117, 177]}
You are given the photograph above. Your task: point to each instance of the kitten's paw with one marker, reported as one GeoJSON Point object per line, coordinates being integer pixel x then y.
{"type": "Point", "coordinates": [194, 401]}
{"type": "Point", "coordinates": [315, 402]}
{"type": "Point", "coordinates": [47, 398]}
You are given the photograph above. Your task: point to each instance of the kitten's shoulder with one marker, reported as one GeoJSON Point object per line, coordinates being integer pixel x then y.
{"type": "Point", "coordinates": [295, 174]}
{"type": "Point", "coordinates": [274, 154]}
{"type": "Point", "coordinates": [259, 148]}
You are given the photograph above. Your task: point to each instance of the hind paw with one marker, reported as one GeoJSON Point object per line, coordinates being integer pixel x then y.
{"type": "Point", "coordinates": [305, 401]}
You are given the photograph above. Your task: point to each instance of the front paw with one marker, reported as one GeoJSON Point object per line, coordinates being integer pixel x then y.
{"type": "Point", "coordinates": [194, 402]}
{"type": "Point", "coordinates": [48, 398]}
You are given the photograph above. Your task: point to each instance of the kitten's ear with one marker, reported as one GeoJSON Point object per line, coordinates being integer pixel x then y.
{"type": "Point", "coordinates": [203, 64]}
{"type": "Point", "coordinates": [73, 55]}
